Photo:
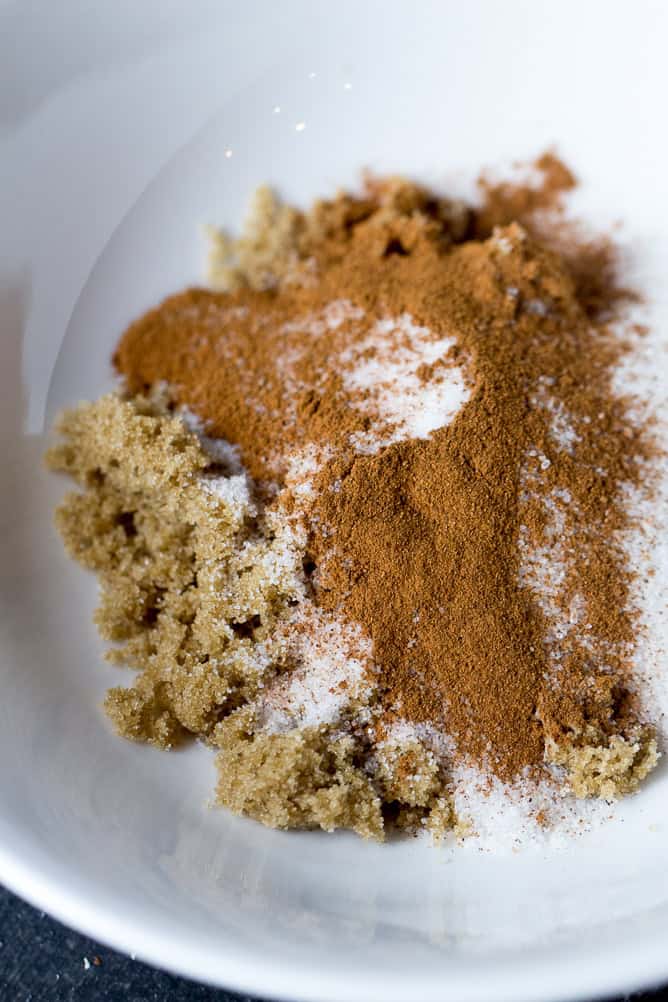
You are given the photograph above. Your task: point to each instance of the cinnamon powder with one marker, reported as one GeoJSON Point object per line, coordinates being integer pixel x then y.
{"type": "Point", "coordinates": [428, 541]}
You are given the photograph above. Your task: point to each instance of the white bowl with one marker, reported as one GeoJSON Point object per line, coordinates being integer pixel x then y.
{"type": "Point", "coordinates": [116, 839]}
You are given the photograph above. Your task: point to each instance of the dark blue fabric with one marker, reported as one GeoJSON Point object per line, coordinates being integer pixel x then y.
{"type": "Point", "coordinates": [43, 961]}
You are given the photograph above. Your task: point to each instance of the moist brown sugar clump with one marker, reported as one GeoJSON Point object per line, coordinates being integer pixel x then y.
{"type": "Point", "coordinates": [423, 392]}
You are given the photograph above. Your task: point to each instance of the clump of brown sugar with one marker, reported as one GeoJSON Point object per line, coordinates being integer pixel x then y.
{"type": "Point", "coordinates": [266, 252]}
{"type": "Point", "coordinates": [193, 584]}
{"type": "Point", "coordinates": [605, 766]}
{"type": "Point", "coordinates": [432, 543]}
{"type": "Point", "coordinates": [299, 779]}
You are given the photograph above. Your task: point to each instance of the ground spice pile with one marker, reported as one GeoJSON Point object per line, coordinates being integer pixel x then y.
{"type": "Point", "coordinates": [409, 401]}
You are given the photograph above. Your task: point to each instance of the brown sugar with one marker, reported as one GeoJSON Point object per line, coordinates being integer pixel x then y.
{"type": "Point", "coordinates": [422, 393]}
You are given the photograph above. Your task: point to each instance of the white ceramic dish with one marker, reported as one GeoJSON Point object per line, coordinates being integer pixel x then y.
{"type": "Point", "coordinates": [115, 839]}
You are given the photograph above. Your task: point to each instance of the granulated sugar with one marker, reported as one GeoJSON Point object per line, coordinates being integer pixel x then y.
{"type": "Point", "coordinates": [222, 452]}
{"type": "Point", "coordinates": [234, 490]}
{"type": "Point", "coordinates": [544, 568]}
{"type": "Point", "coordinates": [331, 659]}
{"type": "Point", "coordinates": [562, 430]}
{"type": "Point", "coordinates": [642, 377]}
{"type": "Point", "coordinates": [387, 374]}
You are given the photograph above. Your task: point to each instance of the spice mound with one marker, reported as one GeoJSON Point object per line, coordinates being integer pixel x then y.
{"type": "Point", "coordinates": [359, 511]}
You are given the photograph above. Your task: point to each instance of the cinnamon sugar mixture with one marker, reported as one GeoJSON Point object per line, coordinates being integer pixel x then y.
{"type": "Point", "coordinates": [359, 516]}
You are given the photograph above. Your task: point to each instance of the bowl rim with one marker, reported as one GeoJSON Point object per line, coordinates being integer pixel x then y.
{"type": "Point", "coordinates": [569, 975]}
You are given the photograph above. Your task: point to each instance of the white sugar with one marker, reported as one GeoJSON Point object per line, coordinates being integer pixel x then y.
{"type": "Point", "coordinates": [396, 371]}
{"type": "Point", "coordinates": [642, 376]}
{"type": "Point", "coordinates": [385, 374]}
{"type": "Point", "coordinates": [235, 491]}
{"type": "Point", "coordinates": [330, 657]}
{"type": "Point", "coordinates": [302, 466]}
{"type": "Point", "coordinates": [498, 816]}
{"type": "Point", "coordinates": [544, 567]}
{"type": "Point", "coordinates": [337, 312]}
{"type": "Point", "coordinates": [219, 450]}
{"type": "Point", "coordinates": [527, 815]}
{"type": "Point", "coordinates": [562, 429]}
